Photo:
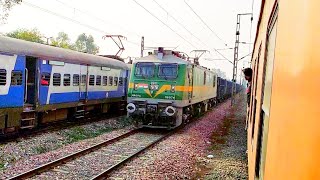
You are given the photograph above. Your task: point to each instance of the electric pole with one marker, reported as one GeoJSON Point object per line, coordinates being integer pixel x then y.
{"type": "Point", "coordinates": [142, 45]}
{"type": "Point", "coordinates": [236, 56]}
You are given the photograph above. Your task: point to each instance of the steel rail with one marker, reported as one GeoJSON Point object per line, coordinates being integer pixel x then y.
{"type": "Point", "coordinates": [70, 157]}
{"type": "Point", "coordinates": [108, 171]}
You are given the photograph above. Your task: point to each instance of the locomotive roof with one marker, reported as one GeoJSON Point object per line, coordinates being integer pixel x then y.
{"type": "Point", "coordinates": [21, 47]}
{"type": "Point", "coordinates": [166, 58]}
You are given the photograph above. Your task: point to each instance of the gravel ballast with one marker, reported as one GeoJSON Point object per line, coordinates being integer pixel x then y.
{"type": "Point", "coordinates": [25, 154]}
{"type": "Point", "coordinates": [178, 156]}
{"type": "Point", "coordinates": [184, 155]}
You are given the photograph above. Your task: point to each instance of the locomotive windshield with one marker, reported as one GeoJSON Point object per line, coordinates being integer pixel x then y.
{"type": "Point", "coordinates": [145, 69]}
{"type": "Point", "coordinates": [168, 71]}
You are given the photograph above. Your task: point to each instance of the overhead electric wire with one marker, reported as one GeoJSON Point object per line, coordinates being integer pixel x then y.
{"type": "Point", "coordinates": [184, 27]}
{"type": "Point", "coordinates": [68, 19]}
{"type": "Point", "coordinates": [205, 23]}
{"type": "Point", "coordinates": [164, 23]}
{"type": "Point", "coordinates": [102, 20]}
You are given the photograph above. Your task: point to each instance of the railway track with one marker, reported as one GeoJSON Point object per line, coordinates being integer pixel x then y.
{"type": "Point", "coordinates": [51, 127]}
{"type": "Point", "coordinates": [98, 161]}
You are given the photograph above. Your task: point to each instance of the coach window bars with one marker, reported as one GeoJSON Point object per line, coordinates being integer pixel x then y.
{"type": "Point", "coordinates": [98, 81]}
{"type": "Point", "coordinates": [91, 80]}
{"type": "Point", "coordinates": [66, 80]}
{"type": "Point", "coordinates": [56, 79]}
{"type": "Point", "coordinates": [120, 81]}
{"type": "Point", "coordinates": [105, 80]}
{"type": "Point", "coordinates": [110, 80]}
{"type": "Point", "coordinates": [83, 79]}
{"type": "Point", "coordinates": [16, 78]}
{"type": "Point", "coordinates": [76, 80]}
{"type": "Point", "coordinates": [45, 79]}
{"type": "Point", "coordinates": [3, 77]}
{"type": "Point", "coordinates": [115, 81]}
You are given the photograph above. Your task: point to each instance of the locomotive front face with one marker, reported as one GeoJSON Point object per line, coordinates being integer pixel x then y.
{"type": "Point", "coordinates": [153, 95]}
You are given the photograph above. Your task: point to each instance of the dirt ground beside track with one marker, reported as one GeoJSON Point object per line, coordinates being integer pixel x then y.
{"type": "Point", "coordinates": [228, 147]}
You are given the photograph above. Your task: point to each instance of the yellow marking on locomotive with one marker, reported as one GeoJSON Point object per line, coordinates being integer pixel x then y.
{"type": "Point", "coordinates": [162, 89]}
{"type": "Point", "coordinates": [131, 85]}
{"type": "Point", "coordinates": [148, 92]}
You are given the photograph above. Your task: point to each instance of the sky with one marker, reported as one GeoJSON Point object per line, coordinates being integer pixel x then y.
{"type": "Point", "coordinates": [174, 26]}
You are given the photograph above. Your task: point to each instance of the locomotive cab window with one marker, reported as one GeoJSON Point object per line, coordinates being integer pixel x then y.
{"type": "Point", "coordinates": [16, 78]}
{"type": "Point", "coordinates": [56, 79]}
{"type": "Point", "coordinates": [168, 71]}
{"type": "Point", "coordinates": [66, 80]}
{"type": "Point", "coordinates": [3, 77]}
{"type": "Point", "coordinates": [144, 70]}
{"type": "Point", "coordinates": [45, 79]}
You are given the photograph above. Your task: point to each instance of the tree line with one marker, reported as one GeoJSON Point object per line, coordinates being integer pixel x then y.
{"type": "Point", "coordinates": [84, 43]}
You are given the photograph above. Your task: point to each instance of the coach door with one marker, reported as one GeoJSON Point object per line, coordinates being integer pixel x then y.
{"type": "Point", "coordinates": [83, 82]}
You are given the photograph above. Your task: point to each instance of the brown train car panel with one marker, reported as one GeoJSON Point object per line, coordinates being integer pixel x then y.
{"type": "Point", "coordinates": [283, 118]}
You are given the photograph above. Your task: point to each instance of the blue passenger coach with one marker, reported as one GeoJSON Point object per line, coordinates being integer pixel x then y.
{"type": "Point", "coordinates": [41, 83]}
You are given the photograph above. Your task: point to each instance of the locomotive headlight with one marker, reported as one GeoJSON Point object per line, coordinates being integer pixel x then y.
{"type": "Point", "coordinates": [135, 86]}
{"type": "Point", "coordinates": [170, 111]}
{"type": "Point", "coordinates": [173, 88]}
{"type": "Point", "coordinates": [131, 107]}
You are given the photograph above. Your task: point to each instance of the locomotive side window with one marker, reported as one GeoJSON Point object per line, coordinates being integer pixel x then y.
{"type": "Point", "coordinates": [3, 77]}
{"type": "Point", "coordinates": [66, 80]}
{"type": "Point", "coordinates": [56, 79]}
{"type": "Point", "coordinates": [76, 80]}
{"type": "Point", "coordinates": [120, 81]}
{"type": "Point", "coordinates": [98, 81]}
{"type": "Point", "coordinates": [214, 80]}
{"type": "Point", "coordinates": [83, 79]}
{"type": "Point", "coordinates": [110, 80]}
{"type": "Point", "coordinates": [105, 80]}
{"type": "Point", "coordinates": [204, 78]}
{"type": "Point", "coordinates": [91, 80]}
{"type": "Point", "coordinates": [45, 79]}
{"type": "Point", "coordinates": [16, 78]}
{"type": "Point", "coordinates": [115, 81]}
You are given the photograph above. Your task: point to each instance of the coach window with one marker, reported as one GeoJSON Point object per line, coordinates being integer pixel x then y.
{"type": "Point", "coordinates": [83, 79]}
{"type": "Point", "coordinates": [56, 79]}
{"type": "Point", "coordinates": [66, 80]}
{"type": "Point", "coordinates": [115, 81]}
{"type": "Point", "coordinates": [105, 80]}
{"type": "Point", "coordinates": [16, 78]}
{"type": "Point", "coordinates": [3, 77]}
{"type": "Point", "coordinates": [91, 80]}
{"type": "Point", "coordinates": [120, 81]}
{"type": "Point", "coordinates": [98, 81]}
{"type": "Point", "coordinates": [45, 79]}
{"type": "Point", "coordinates": [110, 80]}
{"type": "Point", "coordinates": [76, 80]}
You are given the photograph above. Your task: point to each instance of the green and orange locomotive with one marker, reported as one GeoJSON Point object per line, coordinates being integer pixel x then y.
{"type": "Point", "coordinates": [166, 89]}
